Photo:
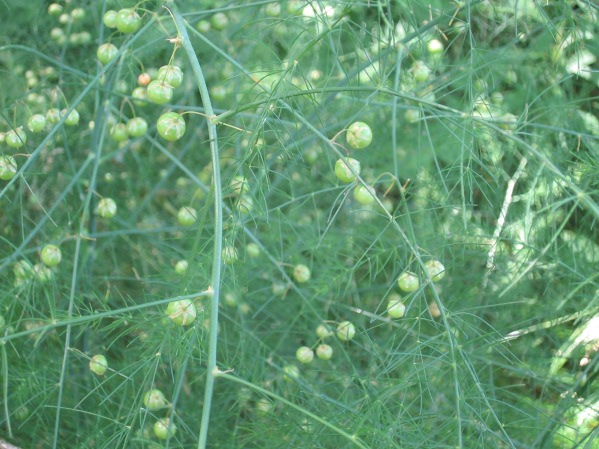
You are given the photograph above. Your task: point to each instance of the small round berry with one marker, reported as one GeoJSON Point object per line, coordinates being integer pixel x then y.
{"type": "Point", "coordinates": [263, 407]}
{"type": "Point", "coordinates": [78, 14]}
{"type": "Point", "coordinates": [396, 308]}
{"type": "Point", "coordinates": [182, 312]}
{"type": "Point", "coordinates": [106, 208]}
{"type": "Point", "coordinates": [359, 135]}
{"type": "Point", "coordinates": [301, 273]}
{"type": "Point", "coordinates": [164, 429]}
{"type": "Point", "coordinates": [52, 116]}
{"type": "Point", "coordinates": [15, 138]}
{"type": "Point", "coordinates": [364, 195]}
{"type": "Point", "coordinates": [324, 352]}
{"type": "Point", "coordinates": [218, 93]}
{"type": "Point", "coordinates": [290, 373]}
{"type": "Point", "coordinates": [72, 119]}
{"type": "Point", "coordinates": [304, 354]}
{"type": "Point", "coordinates": [343, 171]}
{"type": "Point", "coordinates": [55, 9]}
{"type": "Point", "coordinates": [106, 53]}
{"type": "Point", "coordinates": [109, 18]}
{"type": "Point", "coordinates": [273, 9]}
{"type": "Point", "coordinates": [420, 71]}
{"type": "Point", "coordinates": [408, 281]}
{"type": "Point", "coordinates": [435, 47]}
{"type": "Point", "coordinates": [159, 92]}
{"type": "Point", "coordinates": [98, 364]}
{"type": "Point", "coordinates": [171, 126]}
{"type": "Point", "coordinates": [170, 74]}
{"type": "Point", "coordinates": [219, 21]}
{"type": "Point", "coordinates": [323, 331]}
{"type": "Point", "coordinates": [345, 331]}
{"type": "Point", "coordinates": [137, 127]}
{"type": "Point", "coordinates": [295, 6]}
{"type": "Point", "coordinates": [155, 400]}
{"type": "Point", "coordinates": [119, 132]}
{"type": "Point", "coordinates": [140, 96]}
{"type": "Point", "coordinates": [203, 26]}
{"type": "Point", "coordinates": [187, 216]}
{"type": "Point", "coordinates": [36, 123]}
{"type": "Point", "coordinates": [412, 115]}
{"type": "Point", "coordinates": [51, 255]}
{"type": "Point", "coordinates": [8, 167]}
{"type": "Point", "coordinates": [127, 20]}
{"type": "Point", "coordinates": [435, 270]}
{"type": "Point", "coordinates": [42, 273]}
{"type": "Point", "coordinates": [144, 79]}
{"type": "Point", "coordinates": [181, 267]}
{"type": "Point", "coordinates": [253, 250]}
{"type": "Point", "coordinates": [239, 185]}
{"type": "Point", "coordinates": [433, 309]}
{"type": "Point", "coordinates": [229, 255]}
{"type": "Point", "coordinates": [23, 270]}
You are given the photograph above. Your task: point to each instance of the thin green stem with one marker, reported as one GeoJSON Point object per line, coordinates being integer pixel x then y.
{"type": "Point", "coordinates": [353, 438]}
{"type": "Point", "coordinates": [5, 389]}
{"type": "Point", "coordinates": [218, 221]}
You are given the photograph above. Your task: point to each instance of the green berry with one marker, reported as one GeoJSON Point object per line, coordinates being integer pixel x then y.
{"type": "Point", "coordinates": [324, 352]}
{"type": "Point", "coordinates": [171, 126]}
{"type": "Point", "coordinates": [23, 270]}
{"type": "Point", "coordinates": [203, 26]}
{"type": "Point", "coordinates": [55, 9]}
{"type": "Point", "coordinates": [164, 429]}
{"type": "Point", "coordinates": [127, 20]}
{"type": "Point", "coordinates": [155, 400]}
{"type": "Point", "coordinates": [8, 167]}
{"type": "Point", "coordinates": [137, 127]}
{"type": "Point", "coordinates": [395, 307]}
{"type": "Point", "coordinates": [51, 255]}
{"type": "Point", "coordinates": [182, 312]}
{"type": "Point", "coordinates": [229, 255]}
{"type": "Point", "coordinates": [301, 273]}
{"type": "Point", "coordinates": [106, 53]}
{"type": "Point", "coordinates": [98, 364]}
{"type": "Point", "coordinates": [252, 250]}
{"type": "Point", "coordinates": [408, 281]}
{"type": "Point", "coordinates": [181, 267]}
{"type": "Point", "coordinates": [170, 74]}
{"type": "Point", "coordinates": [359, 135]}
{"type": "Point", "coordinates": [15, 138]}
{"type": "Point", "coordinates": [323, 331]}
{"type": "Point", "coordinates": [36, 123]}
{"type": "Point", "coordinates": [72, 119]}
{"type": "Point", "coordinates": [106, 208]}
{"type": "Point", "coordinates": [42, 273]}
{"type": "Point", "coordinates": [346, 331]}
{"type": "Point", "coordinates": [187, 216]}
{"type": "Point", "coordinates": [239, 185]}
{"type": "Point", "coordinates": [290, 373]}
{"type": "Point", "coordinates": [304, 354]}
{"type": "Point", "coordinates": [119, 132]}
{"type": "Point", "coordinates": [219, 21]}
{"type": "Point", "coordinates": [273, 9]}
{"type": "Point", "coordinates": [435, 270]}
{"type": "Point", "coordinates": [52, 116]}
{"type": "Point", "coordinates": [159, 92]}
{"type": "Point", "coordinates": [412, 115]}
{"type": "Point", "coordinates": [109, 18]}
{"type": "Point", "coordinates": [364, 195]}
{"type": "Point", "coordinates": [343, 172]}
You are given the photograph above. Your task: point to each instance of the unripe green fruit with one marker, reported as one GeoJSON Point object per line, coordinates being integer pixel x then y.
{"type": "Point", "coordinates": [127, 20]}
{"type": "Point", "coordinates": [304, 354]}
{"type": "Point", "coordinates": [301, 273]}
{"type": "Point", "coordinates": [181, 267]}
{"type": "Point", "coordinates": [219, 21]}
{"type": "Point", "coordinates": [323, 331]}
{"type": "Point", "coordinates": [159, 92]}
{"type": "Point", "coordinates": [435, 47]}
{"type": "Point", "coordinates": [324, 352]}
{"type": "Point", "coordinates": [290, 373]}
{"type": "Point", "coordinates": [364, 195]}
{"type": "Point", "coordinates": [412, 115]}
{"type": "Point", "coordinates": [106, 53]}
{"type": "Point", "coordinates": [55, 9]}
{"type": "Point", "coordinates": [72, 119]}
{"type": "Point", "coordinates": [8, 167]}
{"type": "Point", "coordinates": [182, 312]}
{"type": "Point", "coordinates": [137, 127]}
{"type": "Point", "coordinates": [15, 138]}
{"type": "Point", "coordinates": [345, 331]}
{"type": "Point", "coordinates": [52, 116]}
{"type": "Point", "coordinates": [172, 75]}
{"type": "Point", "coordinates": [252, 250]}
{"type": "Point", "coordinates": [408, 281]}
{"type": "Point", "coordinates": [36, 123]}
{"type": "Point", "coordinates": [98, 364]}
{"type": "Point", "coordinates": [42, 273]}
{"type": "Point", "coordinates": [106, 208]}
{"type": "Point", "coordinates": [203, 26]}
{"type": "Point", "coordinates": [359, 135]}
{"type": "Point", "coordinates": [273, 9]}
{"type": "Point", "coordinates": [109, 18]}
{"type": "Point", "coordinates": [187, 216]}
{"type": "Point", "coordinates": [420, 71]}
{"type": "Point", "coordinates": [119, 132]}
{"type": "Point", "coordinates": [139, 95]}
{"type": "Point", "coordinates": [435, 270]}
{"type": "Point", "coordinates": [171, 126]}
{"type": "Point", "coordinates": [396, 308]}
{"type": "Point", "coordinates": [23, 270]}
{"type": "Point", "coordinates": [51, 255]}
{"type": "Point", "coordinates": [343, 172]}
{"type": "Point", "coordinates": [164, 429]}
{"type": "Point", "coordinates": [155, 400]}
{"type": "Point", "coordinates": [239, 185]}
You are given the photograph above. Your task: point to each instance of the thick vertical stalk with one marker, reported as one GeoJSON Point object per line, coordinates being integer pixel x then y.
{"type": "Point", "coordinates": [218, 221]}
